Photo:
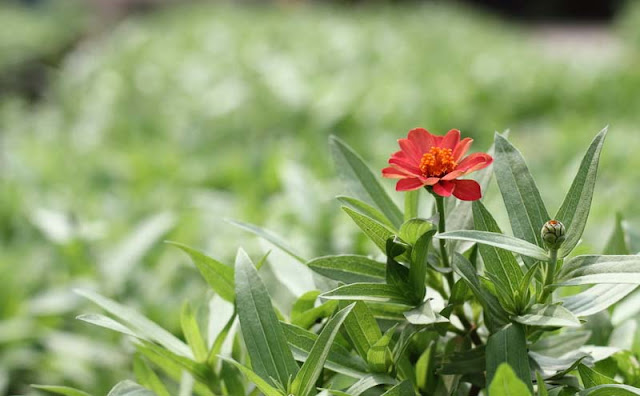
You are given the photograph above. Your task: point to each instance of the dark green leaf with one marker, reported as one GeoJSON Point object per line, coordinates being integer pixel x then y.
{"type": "Point", "coordinates": [305, 313]}
{"type": "Point", "coordinates": [419, 265]}
{"type": "Point", "coordinates": [506, 383]}
{"type": "Point", "coordinates": [361, 181]}
{"type": "Point", "coordinates": [369, 382]}
{"type": "Point", "coordinates": [591, 378]}
{"type": "Point", "coordinates": [574, 211]}
{"type": "Point", "coordinates": [465, 362]}
{"type": "Point", "coordinates": [349, 268]}
{"type": "Point", "coordinates": [270, 355]}
{"type": "Point", "coordinates": [264, 386]}
{"type": "Point", "coordinates": [405, 388]}
{"type": "Point", "coordinates": [376, 231]}
{"type": "Point", "coordinates": [362, 328]}
{"type": "Point", "coordinates": [509, 345]}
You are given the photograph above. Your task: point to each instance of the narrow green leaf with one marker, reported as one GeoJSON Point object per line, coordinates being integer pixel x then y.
{"type": "Point", "coordinates": [379, 355]}
{"type": "Point", "coordinates": [379, 292]}
{"type": "Point", "coordinates": [232, 379]}
{"type": "Point", "coordinates": [591, 269]}
{"type": "Point", "coordinates": [339, 359]}
{"type": "Point", "coordinates": [304, 312]}
{"type": "Point", "coordinates": [304, 382]}
{"type": "Point", "coordinates": [618, 242]}
{"type": "Point", "coordinates": [366, 210]}
{"type": "Point", "coordinates": [349, 268]}
{"type": "Point", "coordinates": [217, 343]}
{"type": "Point", "coordinates": [520, 194]}
{"type": "Point", "coordinates": [147, 377]}
{"type": "Point", "coordinates": [405, 388]}
{"type": "Point", "coordinates": [154, 353]}
{"type": "Point", "coordinates": [270, 355]}
{"type": "Point", "coordinates": [574, 211]}
{"type": "Point", "coordinates": [425, 377]}
{"type": "Point", "coordinates": [596, 298]}
{"type": "Point", "coordinates": [269, 236]}
{"type": "Point", "coordinates": [542, 388]}
{"type": "Point", "coordinates": [376, 231]}
{"type": "Point", "coordinates": [362, 328]}
{"type": "Point", "coordinates": [591, 378]}
{"type": "Point", "coordinates": [361, 181]}
{"type": "Point", "coordinates": [147, 328]}
{"type": "Point", "coordinates": [498, 240]}
{"type": "Point", "coordinates": [419, 265]}
{"type": "Point", "coordinates": [129, 388]}
{"type": "Point", "coordinates": [412, 229]}
{"type": "Point", "coordinates": [553, 315]}
{"type": "Point", "coordinates": [509, 345]}
{"type": "Point", "coordinates": [192, 333]}
{"type": "Point", "coordinates": [263, 385]}
{"type": "Point", "coordinates": [557, 345]}
{"type": "Point", "coordinates": [411, 204]}
{"type": "Point", "coordinates": [61, 390]}
{"type": "Point", "coordinates": [423, 315]}
{"type": "Point", "coordinates": [506, 383]}
{"type": "Point", "coordinates": [611, 390]}
{"type": "Point", "coordinates": [494, 314]}
{"type": "Point", "coordinates": [219, 276]}
{"type": "Point", "coordinates": [108, 323]}
{"type": "Point", "coordinates": [469, 361]}
{"type": "Point", "coordinates": [369, 382]}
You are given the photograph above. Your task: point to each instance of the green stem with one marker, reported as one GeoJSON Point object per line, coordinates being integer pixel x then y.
{"type": "Point", "coordinates": [551, 274]}
{"type": "Point", "coordinates": [441, 229]}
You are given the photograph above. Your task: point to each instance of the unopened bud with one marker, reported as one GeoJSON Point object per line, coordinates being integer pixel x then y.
{"type": "Point", "coordinates": [553, 233]}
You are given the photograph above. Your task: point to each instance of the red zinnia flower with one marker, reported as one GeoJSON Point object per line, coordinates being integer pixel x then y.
{"type": "Point", "coordinates": [428, 160]}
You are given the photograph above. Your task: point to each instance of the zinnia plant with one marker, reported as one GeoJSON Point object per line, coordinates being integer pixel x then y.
{"type": "Point", "coordinates": [467, 311]}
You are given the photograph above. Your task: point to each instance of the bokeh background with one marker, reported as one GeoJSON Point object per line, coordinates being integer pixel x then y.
{"type": "Point", "coordinates": [125, 123]}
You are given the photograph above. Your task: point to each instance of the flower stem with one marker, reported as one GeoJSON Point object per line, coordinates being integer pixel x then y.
{"type": "Point", "coordinates": [551, 273]}
{"type": "Point", "coordinates": [441, 229]}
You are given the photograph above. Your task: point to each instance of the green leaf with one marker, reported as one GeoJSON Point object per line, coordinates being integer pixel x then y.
{"type": "Point", "coordinates": [361, 181]}
{"type": "Point", "coordinates": [498, 240]}
{"type": "Point", "coordinates": [591, 378]}
{"type": "Point", "coordinates": [556, 345]}
{"type": "Point", "coordinates": [217, 275]}
{"type": "Point", "coordinates": [366, 210]}
{"type": "Point", "coordinates": [146, 327]}
{"type": "Point", "coordinates": [147, 377]}
{"type": "Point", "coordinates": [304, 312]}
{"type": "Point", "coordinates": [269, 236]}
{"type": "Point", "coordinates": [611, 390]}
{"type": "Point", "coordinates": [263, 385]}
{"type": "Point", "coordinates": [506, 383]}
{"type": "Point", "coordinates": [129, 388]}
{"type": "Point", "coordinates": [596, 298]}
{"type": "Point", "coordinates": [494, 314]}
{"type": "Point", "coordinates": [232, 378]}
{"type": "Point", "coordinates": [425, 377]}
{"type": "Point", "coordinates": [61, 390]}
{"type": "Point", "coordinates": [411, 204]}
{"type": "Point", "coordinates": [217, 343]}
{"type": "Point", "coordinates": [376, 231]}
{"type": "Point", "coordinates": [618, 242]}
{"type": "Point", "coordinates": [349, 268]}
{"type": "Point", "coordinates": [590, 269]}
{"type": "Point", "coordinates": [424, 315]}
{"type": "Point", "coordinates": [465, 362]}
{"type": "Point", "coordinates": [304, 382]}
{"type": "Point", "coordinates": [413, 229]}
{"type": "Point", "coordinates": [553, 315]}
{"type": "Point", "coordinates": [419, 265]}
{"type": "Point", "coordinates": [379, 355]}
{"type": "Point", "coordinates": [405, 388]}
{"type": "Point", "coordinates": [509, 345]}
{"type": "Point", "coordinates": [520, 194]}
{"type": "Point", "coordinates": [362, 328]}
{"type": "Point", "coordinates": [339, 359]}
{"type": "Point", "coordinates": [157, 353]}
{"type": "Point", "coordinates": [270, 355]}
{"type": "Point", "coordinates": [192, 333]}
{"type": "Point", "coordinates": [542, 388]}
{"type": "Point", "coordinates": [379, 292]}
{"type": "Point", "coordinates": [108, 323]}
{"type": "Point", "coordinates": [369, 382]}
{"type": "Point", "coordinates": [574, 211]}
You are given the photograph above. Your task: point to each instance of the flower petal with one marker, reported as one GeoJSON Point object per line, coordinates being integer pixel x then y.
{"type": "Point", "coordinates": [444, 188]}
{"type": "Point", "coordinates": [451, 139]}
{"type": "Point", "coordinates": [410, 149]}
{"type": "Point", "coordinates": [474, 162]}
{"type": "Point", "coordinates": [430, 181]}
{"type": "Point", "coordinates": [461, 148]}
{"type": "Point", "coordinates": [422, 139]}
{"type": "Point", "coordinates": [394, 173]}
{"type": "Point", "coordinates": [453, 175]}
{"type": "Point", "coordinates": [467, 190]}
{"type": "Point", "coordinates": [409, 184]}
{"type": "Point", "coordinates": [405, 165]}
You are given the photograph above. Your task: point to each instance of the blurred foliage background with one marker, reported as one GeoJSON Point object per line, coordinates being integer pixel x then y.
{"type": "Point", "coordinates": [119, 129]}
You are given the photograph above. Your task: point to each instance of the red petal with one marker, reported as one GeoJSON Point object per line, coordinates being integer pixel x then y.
{"type": "Point", "coordinates": [444, 188]}
{"type": "Point", "coordinates": [453, 175]}
{"type": "Point", "coordinates": [422, 139]}
{"type": "Point", "coordinates": [410, 149]}
{"type": "Point", "coordinates": [451, 139]}
{"type": "Point", "coordinates": [405, 165]}
{"type": "Point", "coordinates": [467, 190]}
{"type": "Point", "coordinates": [474, 162]}
{"type": "Point", "coordinates": [461, 148]}
{"type": "Point", "coordinates": [394, 173]}
{"type": "Point", "coordinates": [430, 181]}
{"type": "Point", "coordinates": [409, 184]}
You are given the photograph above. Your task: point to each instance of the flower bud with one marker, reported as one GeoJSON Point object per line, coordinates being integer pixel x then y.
{"type": "Point", "coordinates": [553, 234]}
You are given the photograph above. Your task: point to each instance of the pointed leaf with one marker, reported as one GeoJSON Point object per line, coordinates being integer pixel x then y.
{"type": "Point", "coordinates": [361, 181]}
{"type": "Point", "coordinates": [553, 315]}
{"type": "Point", "coordinates": [498, 240]}
{"type": "Point", "coordinates": [217, 275]}
{"type": "Point", "coordinates": [509, 345]}
{"type": "Point", "coordinates": [270, 355]}
{"type": "Point", "coordinates": [263, 385]}
{"type": "Point", "coordinates": [376, 231]}
{"type": "Point", "coordinates": [419, 265]}
{"type": "Point", "coordinates": [369, 382]}
{"type": "Point", "coordinates": [269, 236]}
{"type": "Point", "coordinates": [61, 390]}
{"type": "Point", "coordinates": [362, 328]}
{"type": "Point", "coordinates": [611, 390]}
{"type": "Point", "coordinates": [147, 377]}
{"type": "Point", "coordinates": [591, 378]}
{"type": "Point", "coordinates": [304, 382]}
{"type": "Point", "coordinates": [411, 204]}
{"type": "Point", "coordinates": [590, 269]}
{"type": "Point", "coordinates": [574, 211]}
{"type": "Point", "coordinates": [192, 333]}
{"type": "Point", "coordinates": [379, 355]}
{"type": "Point", "coordinates": [597, 298]}
{"type": "Point", "coordinates": [365, 209]}
{"type": "Point", "coordinates": [379, 292]}
{"type": "Point", "coordinates": [618, 242]}
{"type": "Point", "coordinates": [424, 315]}
{"type": "Point", "coordinates": [506, 383]}
{"type": "Point", "coordinates": [349, 268]}
{"type": "Point", "coordinates": [129, 388]}
{"type": "Point", "coordinates": [405, 388]}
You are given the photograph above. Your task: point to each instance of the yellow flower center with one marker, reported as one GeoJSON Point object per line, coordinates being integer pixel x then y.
{"type": "Point", "coordinates": [437, 162]}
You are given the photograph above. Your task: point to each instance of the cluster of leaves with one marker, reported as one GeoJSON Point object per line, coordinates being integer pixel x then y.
{"type": "Point", "coordinates": [503, 315]}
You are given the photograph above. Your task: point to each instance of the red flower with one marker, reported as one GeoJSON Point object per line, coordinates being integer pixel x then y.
{"type": "Point", "coordinates": [428, 160]}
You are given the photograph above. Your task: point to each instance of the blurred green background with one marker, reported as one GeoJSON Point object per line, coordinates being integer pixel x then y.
{"type": "Point", "coordinates": [119, 129]}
